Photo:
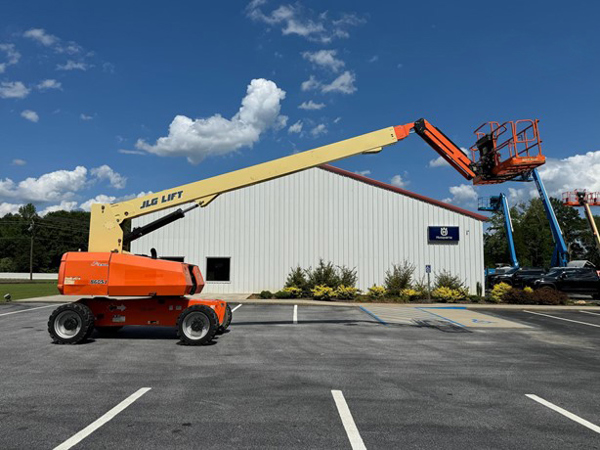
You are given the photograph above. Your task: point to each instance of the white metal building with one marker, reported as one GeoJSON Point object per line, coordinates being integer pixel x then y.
{"type": "Point", "coordinates": [247, 240]}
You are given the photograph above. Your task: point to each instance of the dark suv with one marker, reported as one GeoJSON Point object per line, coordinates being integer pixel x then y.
{"type": "Point", "coordinates": [517, 277]}
{"type": "Point", "coordinates": [584, 280]}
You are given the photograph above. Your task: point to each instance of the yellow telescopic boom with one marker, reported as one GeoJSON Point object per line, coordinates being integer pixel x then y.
{"type": "Point", "coordinates": [106, 233]}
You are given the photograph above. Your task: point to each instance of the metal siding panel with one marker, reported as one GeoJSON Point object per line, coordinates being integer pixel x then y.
{"type": "Point", "coordinates": [268, 228]}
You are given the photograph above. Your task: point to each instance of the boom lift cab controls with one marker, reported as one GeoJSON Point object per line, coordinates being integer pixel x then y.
{"type": "Point", "coordinates": [108, 270]}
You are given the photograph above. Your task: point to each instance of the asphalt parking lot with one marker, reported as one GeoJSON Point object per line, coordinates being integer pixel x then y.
{"type": "Point", "coordinates": [306, 377]}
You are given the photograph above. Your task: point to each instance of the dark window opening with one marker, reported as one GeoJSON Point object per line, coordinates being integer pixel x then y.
{"type": "Point", "coordinates": [218, 269]}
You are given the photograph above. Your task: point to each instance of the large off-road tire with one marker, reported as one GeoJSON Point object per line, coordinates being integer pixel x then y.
{"type": "Point", "coordinates": [108, 331]}
{"type": "Point", "coordinates": [197, 325]}
{"type": "Point", "coordinates": [226, 321]}
{"type": "Point", "coordinates": [71, 324]}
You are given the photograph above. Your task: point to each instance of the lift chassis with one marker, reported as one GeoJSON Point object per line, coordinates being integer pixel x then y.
{"type": "Point", "coordinates": [151, 291]}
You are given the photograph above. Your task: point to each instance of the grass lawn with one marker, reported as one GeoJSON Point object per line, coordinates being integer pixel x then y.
{"type": "Point", "coordinates": [20, 291]}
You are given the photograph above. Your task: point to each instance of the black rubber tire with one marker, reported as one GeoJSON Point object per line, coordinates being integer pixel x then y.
{"type": "Point", "coordinates": [213, 324]}
{"type": "Point", "coordinates": [108, 331]}
{"type": "Point", "coordinates": [227, 321]}
{"type": "Point", "coordinates": [85, 316]}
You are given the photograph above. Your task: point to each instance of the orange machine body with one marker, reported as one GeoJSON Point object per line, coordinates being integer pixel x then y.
{"type": "Point", "coordinates": [157, 288]}
{"type": "Point", "coordinates": [119, 274]}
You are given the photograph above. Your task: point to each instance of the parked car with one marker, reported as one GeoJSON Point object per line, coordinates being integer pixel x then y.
{"type": "Point", "coordinates": [581, 280]}
{"type": "Point", "coordinates": [517, 277]}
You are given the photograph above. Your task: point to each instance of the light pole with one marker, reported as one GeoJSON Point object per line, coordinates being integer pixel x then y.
{"type": "Point", "coordinates": [30, 229]}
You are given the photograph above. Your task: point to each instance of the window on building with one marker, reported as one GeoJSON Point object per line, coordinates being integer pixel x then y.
{"type": "Point", "coordinates": [218, 269]}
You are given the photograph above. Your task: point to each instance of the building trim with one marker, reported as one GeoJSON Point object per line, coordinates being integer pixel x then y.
{"type": "Point", "coordinates": [389, 187]}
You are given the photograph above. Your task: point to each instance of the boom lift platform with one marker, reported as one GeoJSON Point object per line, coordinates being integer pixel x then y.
{"type": "Point", "coordinates": [585, 199]}
{"type": "Point", "coordinates": [157, 287]}
{"type": "Point", "coordinates": [499, 203]}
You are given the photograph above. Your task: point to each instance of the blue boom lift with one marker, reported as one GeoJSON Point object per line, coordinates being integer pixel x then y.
{"type": "Point", "coordinates": [560, 256]}
{"type": "Point", "coordinates": [499, 203]}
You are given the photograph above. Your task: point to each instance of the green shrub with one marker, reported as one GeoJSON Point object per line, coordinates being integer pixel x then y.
{"type": "Point", "coordinates": [347, 277]}
{"type": "Point", "coordinates": [293, 291]}
{"type": "Point", "coordinates": [549, 296]}
{"type": "Point", "coordinates": [398, 278]}
{"type": "Point", "coordinates": [323, 275]}
{"type": "Point", "coordinates": [499, 291]}
{"type": "Point", "coordinates": [518, 297]}
{"type": "Point", "coordinates": [411, 294]}
{"type": "Point", "coordinates": [376, 292]}
{"type": "Point", "coordinates": [282, 294]}
{"type": "Point", "coordinates": [346, 292]}
{"type": "Point", "coordinates": [297, 278]}
{"type": "Point", "coordinates": [447, 280]}
{"type": "Point", "coordinates": [446, 294]}
{"type": "Point", "coordinates": [266, 294]}
{"type": "Point", "coordinates": [322, 292]}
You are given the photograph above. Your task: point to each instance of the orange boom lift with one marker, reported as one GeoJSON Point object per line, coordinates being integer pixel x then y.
{"type": "Point", "coordinates": [121, 289]}
{"type": "Point", "coordinates": [585, 199]}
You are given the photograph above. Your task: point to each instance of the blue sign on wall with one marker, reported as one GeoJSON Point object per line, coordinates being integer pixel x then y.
{"type": "Point", "coordinates": [443, 234]}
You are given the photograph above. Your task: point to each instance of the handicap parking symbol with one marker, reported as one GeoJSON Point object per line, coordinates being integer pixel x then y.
{"type": "Point", "coordinates": [481, 321]}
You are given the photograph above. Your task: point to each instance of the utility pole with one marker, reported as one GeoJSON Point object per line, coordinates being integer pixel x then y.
{"type": "Point", "coordinates": [30, 229]}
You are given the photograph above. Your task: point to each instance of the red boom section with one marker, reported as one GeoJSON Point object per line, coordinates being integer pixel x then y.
{"type": "Point", "coordinates": [117, 274]}
{"type": "Point", "coordinates": [441, 144]}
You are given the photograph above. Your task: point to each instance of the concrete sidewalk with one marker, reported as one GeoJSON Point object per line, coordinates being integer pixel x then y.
{"type": "Point", "coordinates": [243, 298]}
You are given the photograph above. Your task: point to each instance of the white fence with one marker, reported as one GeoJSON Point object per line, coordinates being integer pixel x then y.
{"type": "Point", "coordinates": [25, 276]}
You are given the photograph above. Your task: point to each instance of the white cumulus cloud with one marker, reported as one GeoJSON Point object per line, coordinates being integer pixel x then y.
{"type": "Point", "coordinates": [39, 35]}
{"type": "Point", "coordinates": [324, 58]}
{"type": "Point", "coordinates": [310, 105]}
{"type": "Point", "coordinates": [30, 115]}
{"type": "Point", "coordinates": [9, 208]}
{"type": "Point", "coordinates": [398, 181]}
{"type": "Point", "coordinates": [18, 162]}
{"type": "Point", "coordinates": [12, 56]}
{"type": "Point", "coordinates": [343, 84]}
{"type": "Point", "coordinates": [438, 162]}
{"type": "Point", "coordinates": [364, 173]}
{"type": "Point", "coordinates": [85, 117]}
{"type": "Point", "coordinates": [73, 65]}
{"type": "Point", "coordinates": [62, 206]}
{"type": "Point", "coordinates": [198, 138]}
{"type": "Point", "coordinates": [105, 172]}
{"type": "Point", "coordinates": [580, 171]}
{"type": "Point", "coordinates": [464, 194]}
{"type": "Point", "coordinates": [87, 205]}
{"type": "Point", "coordinates": [13, 89]}
{"type": "Point", "coordinates": [49, 84]}
{"type": "Point", "coordinates": [296, 128]}
{"type": "Point", "coordinates": [299, 21]}
{"type": "Point", "coordinates": [310, 84]}
{"type": "Point", "coordinates": [319, 130]}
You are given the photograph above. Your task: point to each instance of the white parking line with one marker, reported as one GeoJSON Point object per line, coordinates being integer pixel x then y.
{"type": "Point", "coordinates": [588, 312]}
{"type": "Point", "coordinates": [236, 307]}
{"type": "Point", "coordinates": [295, 314]}
{"type": "Point", "coordinates": [562, 318]}
{"type": "Point", "coordinates": [29, 309]}
{"type": "Point", "coordinates": [353, 435]}
{"type": "Point", "coordinates": [78, 437]}
{"type": "Point", "coordinates": [565, 413]}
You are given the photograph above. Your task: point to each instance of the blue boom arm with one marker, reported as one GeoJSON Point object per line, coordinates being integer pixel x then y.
{"type": "Point", "coordinates": [560, 256]}
{"type": "Point", "coordinates": [499, 203]}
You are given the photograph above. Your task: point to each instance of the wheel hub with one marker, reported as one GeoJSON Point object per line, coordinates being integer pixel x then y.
{"type": "Point", "coordinates": [70, 324]}
{"type": "Point", "coordinates": [197, 325]}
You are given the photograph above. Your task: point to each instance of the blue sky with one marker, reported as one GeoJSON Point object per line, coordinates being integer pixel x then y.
{"type": "Point", "coordinates": [86, 90]}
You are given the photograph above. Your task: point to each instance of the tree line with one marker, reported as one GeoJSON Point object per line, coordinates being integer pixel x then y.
{"type": "Point", "coordinates": [533, 238]}
{"type": "Point", "coordinates": [62, 231]}
{"type": "Point", "coordinates": [50, 236]}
